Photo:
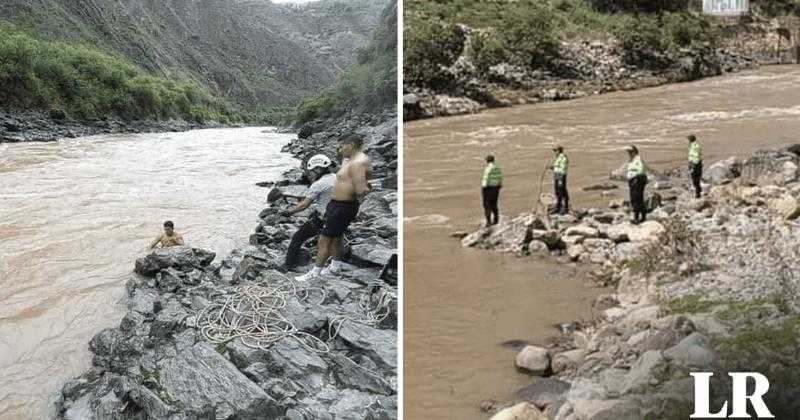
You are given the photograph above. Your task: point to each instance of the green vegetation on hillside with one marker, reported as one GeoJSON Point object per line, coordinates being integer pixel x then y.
{"type": "Point", "coordinates": [528, 32]}
{"type": "Point", "coordinates": [370, 84]}
{"type": "Point", "coordinates": [86, 83]}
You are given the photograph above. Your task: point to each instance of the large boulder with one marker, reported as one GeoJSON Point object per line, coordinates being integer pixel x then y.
{"type": "Point", "coordinates": [624, 232]}
{"type": "Point", "coordinates": [648, 370]}
{"type": "Point", "coordinates": [534, 360]}
{"type": "Point", "coordinates": [723, 171]}
{"type": "Point", "coordinates": [183, 258]}
{"type": "Point", "coordinates": [296, 366]}
{"type": "Point", "coordinates": [373, 206]}
{"type": "Point", "coordinates": [205, 383]}
{"type": "Point", "coordinates": [581, 230]}
{"type": "Point", "coordinates": [692, 352]}
{"type": "Point", "coordinates": [373, 252]}
{"type": "Point", "coordinates": [379, 345]}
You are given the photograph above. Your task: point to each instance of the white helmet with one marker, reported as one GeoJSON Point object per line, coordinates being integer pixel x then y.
{"type": "Point", "coordinates": [318, 161]}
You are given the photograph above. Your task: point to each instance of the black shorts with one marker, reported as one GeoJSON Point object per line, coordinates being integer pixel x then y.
{"type": "Point", "coordinates": [338, 216]}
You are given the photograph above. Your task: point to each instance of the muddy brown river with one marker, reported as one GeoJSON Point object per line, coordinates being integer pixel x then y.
{"type": "Point", "coordinates": [74, 215]}
{"type": "Point", "coordinates": [461, 304]}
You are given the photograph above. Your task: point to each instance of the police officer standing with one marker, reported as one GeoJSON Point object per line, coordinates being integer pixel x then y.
{"type": "Point", "coordinates": [560, 166]}
{"type": "Point", "coordinates": [637, 179]}
{"type": "Point", "coordinates": [491, 183]}
{"type": "Point", "coordinates": [695, 163]}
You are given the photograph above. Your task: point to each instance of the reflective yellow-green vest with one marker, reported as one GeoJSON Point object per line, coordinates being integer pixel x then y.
{"type": "Point", "coordinates": [635, 167]}
{"type": "Point", "coordinates": [561, 164]}
{"type": "Point", "coordinates": [492, 177]}
{"type": "Point", "coordinates": [695, 152]}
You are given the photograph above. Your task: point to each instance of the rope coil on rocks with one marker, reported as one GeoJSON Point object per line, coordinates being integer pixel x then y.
{"type": "Point", "coordinates": [373, 312]}
{"type": "Point", "coordinates": [253, 314]}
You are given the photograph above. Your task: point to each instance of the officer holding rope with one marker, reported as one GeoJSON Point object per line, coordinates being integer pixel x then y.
{"type": "Point", "coordinates": [560, 167]}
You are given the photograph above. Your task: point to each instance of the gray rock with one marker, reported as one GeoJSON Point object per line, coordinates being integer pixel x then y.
{"type": "Point", "coordinates": [543, 392]}
{"type": "Point", "coordinates": [534, 360]}
{"type": "Point", "coordinates": [373, 252]}
{"type": "Point", "coordinates": [180, 257]}
{"type": "Point", "coordinates": [698, 204]}
{"type": "Point", "coordinates": [581, 230]}
{"type": "Point", "coordinates": [203, 381]}
{"type": "Point", "coordinates": [723, 171]}
{"type": "Point", "coordinates": [352, 375]}
{"type": "Point", "coordinates": [568, 360]}
{"type": "Point", "coordinates": [379, 345]}
{"type": "Point", "coordinates": [649, 370]}
{"type": "Point", "coordinates": [373, 206]}
{"type": "Point", "coordinates": [356, 405]}
{"type": "Point", "coordinates": [692, 352]}
{"type": "Point", "coordinates": [575, 251]}
{"type": "Point", "coordinates": [297, 192]}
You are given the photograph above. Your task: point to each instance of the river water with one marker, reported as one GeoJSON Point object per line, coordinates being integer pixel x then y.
{"type": "Point", "coordinates": [461, 304]}
{"type": "Point", "coordinates": [74, 215]}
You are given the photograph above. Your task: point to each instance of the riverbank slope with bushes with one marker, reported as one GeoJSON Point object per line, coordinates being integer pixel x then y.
{"type": "Point", "coordinates": [465, 56]}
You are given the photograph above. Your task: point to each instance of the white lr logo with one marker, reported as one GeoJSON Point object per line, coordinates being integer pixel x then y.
{"type": "Point", "coordinates": [740, 397]}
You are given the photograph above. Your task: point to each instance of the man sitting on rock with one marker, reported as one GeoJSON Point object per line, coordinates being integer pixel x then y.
{"type": "Point", "coordinates": [169, 237]}
{"type": "Point", "coordinates": [317, 197]}
{"type": "Point", "coordinates": [350, 187]}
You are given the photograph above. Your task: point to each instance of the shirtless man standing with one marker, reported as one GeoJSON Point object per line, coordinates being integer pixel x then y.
{"type": "Point", "coordinates": [351, 186]}
{"type": "Point", "coordinates": [168, 238]}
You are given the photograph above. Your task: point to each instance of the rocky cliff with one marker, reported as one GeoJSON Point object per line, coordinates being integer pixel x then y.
{"type": "Point", "coordinates": [254, 51]}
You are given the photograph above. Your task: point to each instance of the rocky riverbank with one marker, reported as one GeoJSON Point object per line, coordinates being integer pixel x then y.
{"type": "Point", "coordinates": [240, 339]}
{"type": "Point", "coordinates": [32, 125]}
{"type": "Point", "coordinates": [585, 67]}
{"type": "Point", "coordinates": [709, 284]}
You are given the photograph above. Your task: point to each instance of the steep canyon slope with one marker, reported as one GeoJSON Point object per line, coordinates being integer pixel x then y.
{"type": "Point", "coordinates": [253, 51]}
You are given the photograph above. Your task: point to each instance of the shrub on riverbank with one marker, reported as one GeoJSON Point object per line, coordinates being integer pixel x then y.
{"type": "Point", "coordinates": [528, 32]}
{"type": "Point", "coordinates": [86, 83]}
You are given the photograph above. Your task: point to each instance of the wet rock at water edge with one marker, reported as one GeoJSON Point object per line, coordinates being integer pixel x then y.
{"type": "Point", "coordinates": [534, 360]}
{"type": "Point", "coordinates": [179, 257]}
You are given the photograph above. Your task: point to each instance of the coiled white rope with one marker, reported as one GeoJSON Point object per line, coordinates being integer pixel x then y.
{"type": "Point", "coordinates": [252, 314]}
{"type": "Point", "coordinates": [372, 312]}
{"type": "Point", "coordinates": [543, 199]}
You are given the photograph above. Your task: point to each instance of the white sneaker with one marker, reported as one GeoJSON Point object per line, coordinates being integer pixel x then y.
{"type": "Point", "coordinates": [311, 275]}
